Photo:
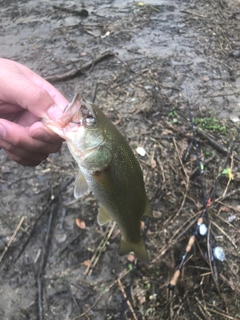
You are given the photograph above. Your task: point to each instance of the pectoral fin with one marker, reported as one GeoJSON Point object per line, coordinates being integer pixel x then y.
{"type": "Point", "coordinates": [148, 209]}
{"type": "Point", "coordinates": [81, 187]}
{"type": "Point", "coordinates": [103, 216]}
{"type": "Point", "coordinates": [138, 248]}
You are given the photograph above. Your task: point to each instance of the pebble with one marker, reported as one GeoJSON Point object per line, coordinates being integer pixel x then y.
{"type": "Point", "coordinates": [141, 151]}
{"type": "Point", "coordinates": [219, 253]}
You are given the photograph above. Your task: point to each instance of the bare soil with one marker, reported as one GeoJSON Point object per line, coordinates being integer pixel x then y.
{"type": "Point", "coordinates": [135, 61]}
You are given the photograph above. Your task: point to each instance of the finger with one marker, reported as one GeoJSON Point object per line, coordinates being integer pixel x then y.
{"type": "Point", "coordinates": [25, 93]}
{"type": "Point", "coordinates": [37, 79]}
{"type": "Point", "coordinates": [31, 155]}
{"type": "Point", "coordinates": [21, 86]}
{"type": "Point", "coordinates": [40, 132]}
{"type": "Point", "coordinates": [19, 153]}
{"type": "Point", "coordinates": [16, 139]}
{"type": "Point", "coordinates": [25, 161]}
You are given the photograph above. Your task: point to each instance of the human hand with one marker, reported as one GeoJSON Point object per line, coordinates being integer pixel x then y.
{"type": "Point", "coordinates": [25, 98]}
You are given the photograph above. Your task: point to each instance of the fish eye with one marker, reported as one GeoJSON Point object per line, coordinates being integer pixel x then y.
{"type": "Point", "coordinates": [90, 122]}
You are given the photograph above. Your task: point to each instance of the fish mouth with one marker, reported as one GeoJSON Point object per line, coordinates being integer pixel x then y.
{"type": "Point", "coordinates": [73, 117]}
{"type": "Point", "coordinates": [71, 113]}
{"type": "Point", "coordinates": [75, 111]}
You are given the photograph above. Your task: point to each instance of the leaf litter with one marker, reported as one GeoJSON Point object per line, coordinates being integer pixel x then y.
{"type": "Point", "coordinates": [137, 58]}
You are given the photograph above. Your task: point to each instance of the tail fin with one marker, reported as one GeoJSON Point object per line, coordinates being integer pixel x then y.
{"type": "Point", "coordinates": [138, 248]}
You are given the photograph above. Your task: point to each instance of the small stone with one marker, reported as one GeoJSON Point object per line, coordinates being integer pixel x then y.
{"type": "Point", "coordinates": [141, 151]}
{"type": "Point", "coordinates": [203, 229]}
{"type": "Point", "coordinates": [232, 218]}
{"type": "Point", "coordinates": [219, 253]}
{"type": "Point", "coordinates": [234, 119]}
{"type": "Point", "coordinates": [236, 53]}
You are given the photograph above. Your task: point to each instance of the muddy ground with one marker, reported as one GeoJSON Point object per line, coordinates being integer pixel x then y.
{"type": "Point", "coordinates": [135, 61]}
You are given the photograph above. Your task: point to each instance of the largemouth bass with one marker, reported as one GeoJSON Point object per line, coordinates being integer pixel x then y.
{"type": "Point", "coordinates": [108, 168]}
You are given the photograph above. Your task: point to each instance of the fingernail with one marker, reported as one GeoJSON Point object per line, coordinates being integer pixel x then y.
{"type": "Point", "coordinates": [54, 112]}
{"type": "Point", "coordinates": [2, 131]}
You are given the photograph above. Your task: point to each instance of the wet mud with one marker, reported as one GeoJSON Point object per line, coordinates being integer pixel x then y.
{"type": "Point", "coordinates": [135, 60]}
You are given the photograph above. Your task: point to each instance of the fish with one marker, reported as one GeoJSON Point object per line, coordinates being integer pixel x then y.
{"type": "Point", "coordinates": [108, 168]}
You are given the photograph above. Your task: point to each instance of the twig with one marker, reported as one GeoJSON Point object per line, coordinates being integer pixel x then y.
{"type": "Point", "coordinates": [172, 240]}
{"type": "Point", "coordinates": [233, 285]}
{"type": "Point", "coordinates": [125, 64]}
{"type": "Point", "coordinates": [70, 240]}
{"type": "Point", "coordinates": [134, 266]}
{"type": "Point", "coordinates": [229, 179]}
{"type": "Point", "coordinates": [124, 304]}
{"type": "Point", "coordinates": [21, 178]}
{"type": "Point", "coordinates": [224, 233]}
{"type": "Point", "coordinates": [215, 145]}
{"type": "Point", "coordinates": [77, 72]}
{"type": "Point", "coordinates": [161, 170]}
{"type": "Point", "coordinates": [217, 216]}
{"type": "Point", "coordinates": [193, 13]}
{"type": "Point", "coordinates": [205, 163]}
{"type": "Point", "coordinates": [222, 95]}
{"type": "Point", "coordinates": [231, 193]}
{"type": "Point", "coordinates": [42, 213]}
{"type": "Point", "coordinates": [82, 13]}
{"type": "Point", "coordinates": [187, 180]}
{"type": "Point", "coordinates": [42, 264]}
{"type": "Point", "coordinates": [125, 297]}
{"type": "Point", "coordinates": [211, 260]}
{"type": "Point", "coordinates": [11, 239]}
{"type": "Point", "coordinates": [224, 315]}
{"type": "Point", "coordinates": [122, 274]}
{"type": "Point", "coordinates": [99, 251]}
{"type": "Point", "coordinates": [203, 309]}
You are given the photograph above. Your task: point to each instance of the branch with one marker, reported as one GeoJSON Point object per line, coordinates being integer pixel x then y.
{"type": "Point", "coordinates": [77, 72]}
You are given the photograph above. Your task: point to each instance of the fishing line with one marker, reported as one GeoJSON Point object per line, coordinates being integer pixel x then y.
{"type": "Point", "coordinates": [134, 267]}
{"type": "Point", "coordinates": [214, 253]}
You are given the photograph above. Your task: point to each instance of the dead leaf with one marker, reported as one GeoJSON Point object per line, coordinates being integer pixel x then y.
{"type": "Point", "coordinates": [80, 223]}
{"type": "Point", "coordinates": [117, 122]}
{"type": "Point", "coordinates": [225, 209]}
{"type": "Point", "coordinates": [86, 263]}
{"type": "Point", "coordinates": [131, 257]}
{"type": "Point", "coordinates": [153, 163]}
{"type": "Point", "coordinates": [115, 234]}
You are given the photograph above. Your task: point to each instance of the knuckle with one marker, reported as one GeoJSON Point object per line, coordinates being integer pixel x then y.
{"type": "Point", "coordinates": [15, 142]}
{"type": "Point", "coordinates": [41, 158]}
{"type": "Point", "coordinates": [52, 148]}
{"type": "Point", "coordinates": [56, 147]}
{"type": "Point", "coordinates": [8, 147]}
{"type": "Point", "coordinates": [39, 94]}
{"type": "Point", "coordinates": [14, 157]}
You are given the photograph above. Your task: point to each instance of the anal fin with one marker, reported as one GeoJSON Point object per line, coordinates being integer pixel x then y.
{"type": "Point", "coordinates": [103, 216]}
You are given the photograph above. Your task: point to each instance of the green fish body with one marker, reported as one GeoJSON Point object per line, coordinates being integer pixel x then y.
{"type": "Point", "coordinates": [108, 168]}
